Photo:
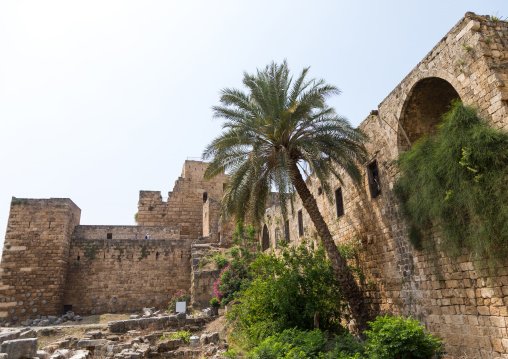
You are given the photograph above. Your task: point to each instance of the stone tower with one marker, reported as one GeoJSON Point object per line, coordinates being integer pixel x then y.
{"type": "Point", "coordinates": [35, 255]}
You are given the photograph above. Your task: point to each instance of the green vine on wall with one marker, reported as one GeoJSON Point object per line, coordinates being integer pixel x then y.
{"type": "Point", "coordinates": [458, 180]}
{"type": "Point", "coordinates": [90, 251]}
{"type": "Point", "coordinates": [145, 251]}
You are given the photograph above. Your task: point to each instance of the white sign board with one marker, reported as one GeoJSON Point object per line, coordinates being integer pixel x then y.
{"type": "Point", "coordinates": [181, 307]}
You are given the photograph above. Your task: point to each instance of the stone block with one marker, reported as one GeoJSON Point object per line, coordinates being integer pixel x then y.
{"type": "Point", "coordinates": [168, 345]}
{"type": "Point", "coordinates": [19, 348]}
{"type": "Point", "coordinates": [42, 354]}
{"type": "Point", "coordinates": [91, 343]}
{"type": "Point", "coordinates": [81, 354]}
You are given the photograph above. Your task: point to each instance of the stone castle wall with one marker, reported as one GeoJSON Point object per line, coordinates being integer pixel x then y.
{"type": "Point", "coordinates": [126, 232]}
{"type": "Point", "coordinates": [184, 205]}
{"type": "Point", "coordinates": [50, 262]}
{"type": "Point", "coordinates": [453, 298]}
{"type": "Point", "coordinates": [125, 275]}
{"type": "Point", "coordinates": [35, 255]}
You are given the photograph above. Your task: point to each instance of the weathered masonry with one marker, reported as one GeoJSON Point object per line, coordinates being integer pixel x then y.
{"type": "Point", "coordinates": [51, 263]}
{"type": "Point", "coordinates": [452, 298]}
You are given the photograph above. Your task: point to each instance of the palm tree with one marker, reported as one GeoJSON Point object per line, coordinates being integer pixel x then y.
{"type": "Point", "coordinates": [270, 133]}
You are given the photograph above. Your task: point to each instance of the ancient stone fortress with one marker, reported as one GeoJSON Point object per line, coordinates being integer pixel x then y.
{"type": "Point", "coordinates": [51, 263]}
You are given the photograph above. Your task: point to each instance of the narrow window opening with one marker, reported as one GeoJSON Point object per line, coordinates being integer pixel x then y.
{"type": "Point", "coordinates": [265, 241]}
{"type": "Point", "coordinates": [49, 225]}
{"type": "Point", "coordinates": [104, 255]}
{"type": "Point", "coordinates": [339, 202]}
{"type": "Point", "coordinates": [205, 197]}
{"type": "Point", "coordinates": [219, 236]}
{"type": "Point", "coordinates": [109, 236]}
{"type": "Point", "coordinates": [374, 182]}
{"type": "Point", "coordinates": [286, 230]}
{"type": "Point", "coordinates": [29, 223]}
{"type": "Point", "coordinates": [157, 256]}
{"type": "Point", "coordinates": [300, 223]}
{"type": "Point", "coordinates": [320, 191]}
{"type": "Point", "coordinates": [79, 257]}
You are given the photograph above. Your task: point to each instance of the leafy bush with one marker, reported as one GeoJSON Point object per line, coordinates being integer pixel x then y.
{"type": "Point", "coordinates": [220, 260]}
{"type": "Point", "coordinates": [291, 343]}
{"type": "Point", "coordinates": [286, 293]}
{"type": "Point", "coordinates": [182, 334]}
{"type": "Point", "coordinates": [244, 235]}
{"type": "Point", "coordinates": [395, 337]}
{"type": "Point", "coordinates": [458, 179]}
{"type": "Point", "coordinates": [214, 303]}
{"type": "Point", "coordinates": [232, 280]}
{"type": "Point", "coordinates": [344, 346]}
{"type": "Point", "coordinates": [235, 276]}
{"type": "Point", "coordinates": [180, 296]}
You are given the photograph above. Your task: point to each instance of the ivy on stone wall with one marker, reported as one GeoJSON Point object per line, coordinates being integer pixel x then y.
{"type": "Point", "coordinates": [458, 181]}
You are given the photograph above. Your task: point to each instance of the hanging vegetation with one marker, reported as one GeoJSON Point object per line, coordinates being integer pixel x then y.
{"type": "Point", "coordinates": [458, 181]}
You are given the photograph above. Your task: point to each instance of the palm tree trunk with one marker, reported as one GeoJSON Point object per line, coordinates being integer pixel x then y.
{"type": "Point", "coordinates": [348, 284]}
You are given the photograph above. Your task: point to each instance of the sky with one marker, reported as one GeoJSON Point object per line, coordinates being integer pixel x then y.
{"type": "Point", "coordinates": [102, 99]}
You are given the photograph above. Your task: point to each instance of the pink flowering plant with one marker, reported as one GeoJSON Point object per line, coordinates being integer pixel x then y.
{"type": "Point", "coordinates": [232, 280]}
{"type": "Point", "coordinates": [179, 296]}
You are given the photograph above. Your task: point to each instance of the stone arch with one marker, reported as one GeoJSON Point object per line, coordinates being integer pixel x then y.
{"type": "Point", "coordinates": [423, 107]}
{"type": "Point", "coordinates": [265, 241]}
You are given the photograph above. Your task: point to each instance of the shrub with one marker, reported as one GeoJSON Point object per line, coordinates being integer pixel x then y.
{"type": "Point", "coordinates": [286, 292]}
{"type": "Point", "coordinates": [180, 296]}
{"type": "Point", "coordinates": [291, 343]}
{"type": "Point", "coordinates": [344, 346]}
{"type": "Point", "coordinates": [458, 179]}
{"type": "Point", "coordinates": [214, 303]}
{"type": "Point", "coordinates": [182, 334]}
{"type": "Point", "coordinates": [232, 280]}
{"type": "Point", "coordinates": [395, 337]}
{"type": "Point", "coordinates": [220, 260]}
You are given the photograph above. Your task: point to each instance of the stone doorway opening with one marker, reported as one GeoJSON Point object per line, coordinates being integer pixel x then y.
{"type": "Point", "coordinates": [425, 105]}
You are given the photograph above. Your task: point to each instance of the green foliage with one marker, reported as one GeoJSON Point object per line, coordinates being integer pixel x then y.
{"type": "Point", "coordinates": [220, 260]}
{"type": "Point", "coordinates": [279, 122]}
{"type": "Point", "coordinates": [91, 251]}
{"type": "Point", "coordinates": [458, 180]}
{"type": "Point", "coordinates": [17, 202]}
{"type": "Point", "coordinates": [150, 208]}
{"type": "Point", "coordinates": [214, 303]}
{"type": "Point", "coordinates": [291, 343]}
{"type": "Point", "coordinates": [467, 47]}
{"type": "Point", "coordinates": [395, 337]}
{"type": "Point", "coordinates": [136, 217]}
{"type": "Point", "coordinates": [181, 334]}
{"type": "Point", "coordinates": [232, 280]}
{"type": "Point", "coordinates": [389, 338]}
{"type": "Point", "coordinates": [349, 251]}
{"type": "Point", "coordinates": [145, 251]}
{"type": "Point", "coordinates": [179, 296]}
{"type": "Point", "coordinates": [244, 235]}
{"type": "Point", "coordinates": [344, 346]}
{"type": "Point", "coordinates": [286, 292]}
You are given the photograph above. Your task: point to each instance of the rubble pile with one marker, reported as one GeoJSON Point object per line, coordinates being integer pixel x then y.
{"type": "Point", "coordinates": [151, 335]}
{"type": "Point", "coordinates": [44, 321]}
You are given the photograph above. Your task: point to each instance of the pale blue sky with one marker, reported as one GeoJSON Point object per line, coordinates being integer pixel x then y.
{"type": "Point", "coordinates": [101, 99]}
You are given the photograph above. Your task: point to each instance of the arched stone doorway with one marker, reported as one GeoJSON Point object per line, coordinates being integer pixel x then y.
{"type": "Point", "coordinates": [429, 99]}
{"type": "Point", "coordinates": [265, 242]}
